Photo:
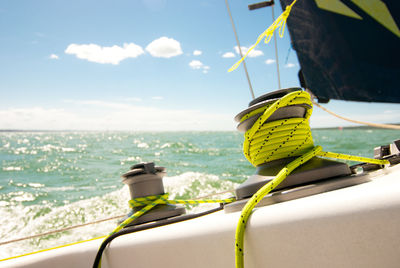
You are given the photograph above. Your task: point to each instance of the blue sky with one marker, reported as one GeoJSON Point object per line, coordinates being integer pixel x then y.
{"type": "Point", "coordinates": [142, 65]}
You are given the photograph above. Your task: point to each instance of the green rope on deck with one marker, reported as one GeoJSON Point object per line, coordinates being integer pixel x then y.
{"type": "Point", "coordinates": [149, 202]}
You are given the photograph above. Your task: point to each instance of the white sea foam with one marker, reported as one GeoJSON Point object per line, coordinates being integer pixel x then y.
{"type": "Point", "coordinates": [35, 185]}
{"type": "Point", "coordinates": [68, 149]}
{"type": "Point", "coordinates": [59, 189]}
{"type": "Point", "coordinates": [132, 159]}
{"type": "Point", "coordinates": [142, 145]}
{"type": "Point", "coordinates": [165, 145]}
{"type": "Point", "coordinates": [24, 141]}
{"type": "Point", "coordinates": [39, 219]}
{"type": "Point", "coordinates": [36, 219]}
{"type": "Point", "coordinates": [193, 185]}
{"type": "Point", "coordinates": [23, 196]}
{"type": "Point", "coordinates": [50, 147]}
{"type": "Point", "coordinates": [12, 168]}
{"type": "Point", "coordinates": [21, 150]}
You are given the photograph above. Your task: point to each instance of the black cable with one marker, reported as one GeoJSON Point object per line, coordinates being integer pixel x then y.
{"type": "Point", "coordinates": [145, 226]}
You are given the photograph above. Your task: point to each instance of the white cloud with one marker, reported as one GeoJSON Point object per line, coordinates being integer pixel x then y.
{"type": "Point", "coordinates": [35, 118]}
{"type": "Point", "coordinates": [228, 55]}
{"type": "Point", "coordinates": [205, 69]}
{"type": "Point", "coordinates": [198, 65]}
{"type": "Point", "coordinates": [100, 103]}
{"type": "Point", "coordinates": [197, 53]}
{"type": "Point", "coordinates": [164, 47]}
{"type": "Point", "coordinates": [254, 53]}
{"type": "Point", "coordinates": [290, 65]}
{"type": "Point", "coordinates": [391, 112]}
{"type": "Point", "coordinates": [133, 99]}
{"type": "Point", "coordinates": [269, 61]}
{"type": "Point", "coordinates": [53, 57]}
{"type": "Point", "coordinates": [104, 115]}
{"type": "Point", "coordinates": [109, 115]}
{"type": "Point", "coordinates": [113, 55]}
{"type": "Point", "coordinates": [157, 98]}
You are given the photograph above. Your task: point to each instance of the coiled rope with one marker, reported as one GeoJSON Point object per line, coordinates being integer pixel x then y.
{"type": "Point", "coordinates": [284, 138]}
{"type": "Point", "coordinates": [265, 142]}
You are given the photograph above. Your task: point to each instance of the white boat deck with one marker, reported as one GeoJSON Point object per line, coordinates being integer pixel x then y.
{"type": "Point", "coordinates": [356, 226]}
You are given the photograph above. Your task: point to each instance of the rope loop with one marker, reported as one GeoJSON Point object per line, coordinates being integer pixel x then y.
{"type": "Point", "coordinates": [268, 33]}
{"type": "Point", "coordinates": [149, 202]}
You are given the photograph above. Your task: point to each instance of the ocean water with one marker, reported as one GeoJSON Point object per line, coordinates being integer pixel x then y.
{"type": "Point", "coordinates": [52, 180]}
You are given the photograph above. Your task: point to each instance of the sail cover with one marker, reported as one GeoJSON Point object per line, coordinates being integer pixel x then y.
{"type": "Point", "coordinates": [348, 49]}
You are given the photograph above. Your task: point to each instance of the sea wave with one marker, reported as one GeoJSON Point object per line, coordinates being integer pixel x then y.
{"type": "Point", "coordinates": [74, 177]}
{"type": "Point", "coordinates": [42, 218]}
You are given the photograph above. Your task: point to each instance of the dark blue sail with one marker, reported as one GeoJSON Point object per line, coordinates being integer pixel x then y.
{"type": "Point", "coordinates": [348, 49]}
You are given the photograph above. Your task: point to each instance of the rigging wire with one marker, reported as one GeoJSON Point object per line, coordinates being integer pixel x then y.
{"type": "Point", "coordinates": [240, 49]}
{"type": "Point", "coordinates": [60, 230]}
{"type": "Point", "coordinates": [276, 51]}
{"type": "Point", "coordinates": [378, 125]}
{"type": "Point", "coordinates": [271, 4]}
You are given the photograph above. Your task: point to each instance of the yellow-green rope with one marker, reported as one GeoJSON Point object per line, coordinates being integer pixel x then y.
{"type": "Point", "coordinates": [268, 141]}
{"type": "Point", "coordinates": [149, 202]}
{"type": "Point", "coordinates": [263, 191]}
{"type": "Point", "coordinates": [265, 142]}
{"type": "Point", "coordinates": [280, 23]}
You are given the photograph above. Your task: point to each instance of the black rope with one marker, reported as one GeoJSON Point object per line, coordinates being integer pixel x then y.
{"type": "Point", "coordinates": [145, 226]}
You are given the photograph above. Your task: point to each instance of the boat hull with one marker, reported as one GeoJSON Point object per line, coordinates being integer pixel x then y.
{"type": "Point", "coordinates": [356, 226]}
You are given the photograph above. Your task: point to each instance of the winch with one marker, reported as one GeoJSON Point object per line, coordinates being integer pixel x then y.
{"type": "Point", "coordinates": [145, 179]}
{"type": "Point", "coordinates": [282, 133]}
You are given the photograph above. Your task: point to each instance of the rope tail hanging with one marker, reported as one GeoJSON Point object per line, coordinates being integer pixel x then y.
{"type": "Point", "coordinates": [280, 23]}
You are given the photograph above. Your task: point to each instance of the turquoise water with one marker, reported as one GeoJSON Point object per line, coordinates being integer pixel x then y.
{"type": "Point", "coordinates": [51, 180]}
